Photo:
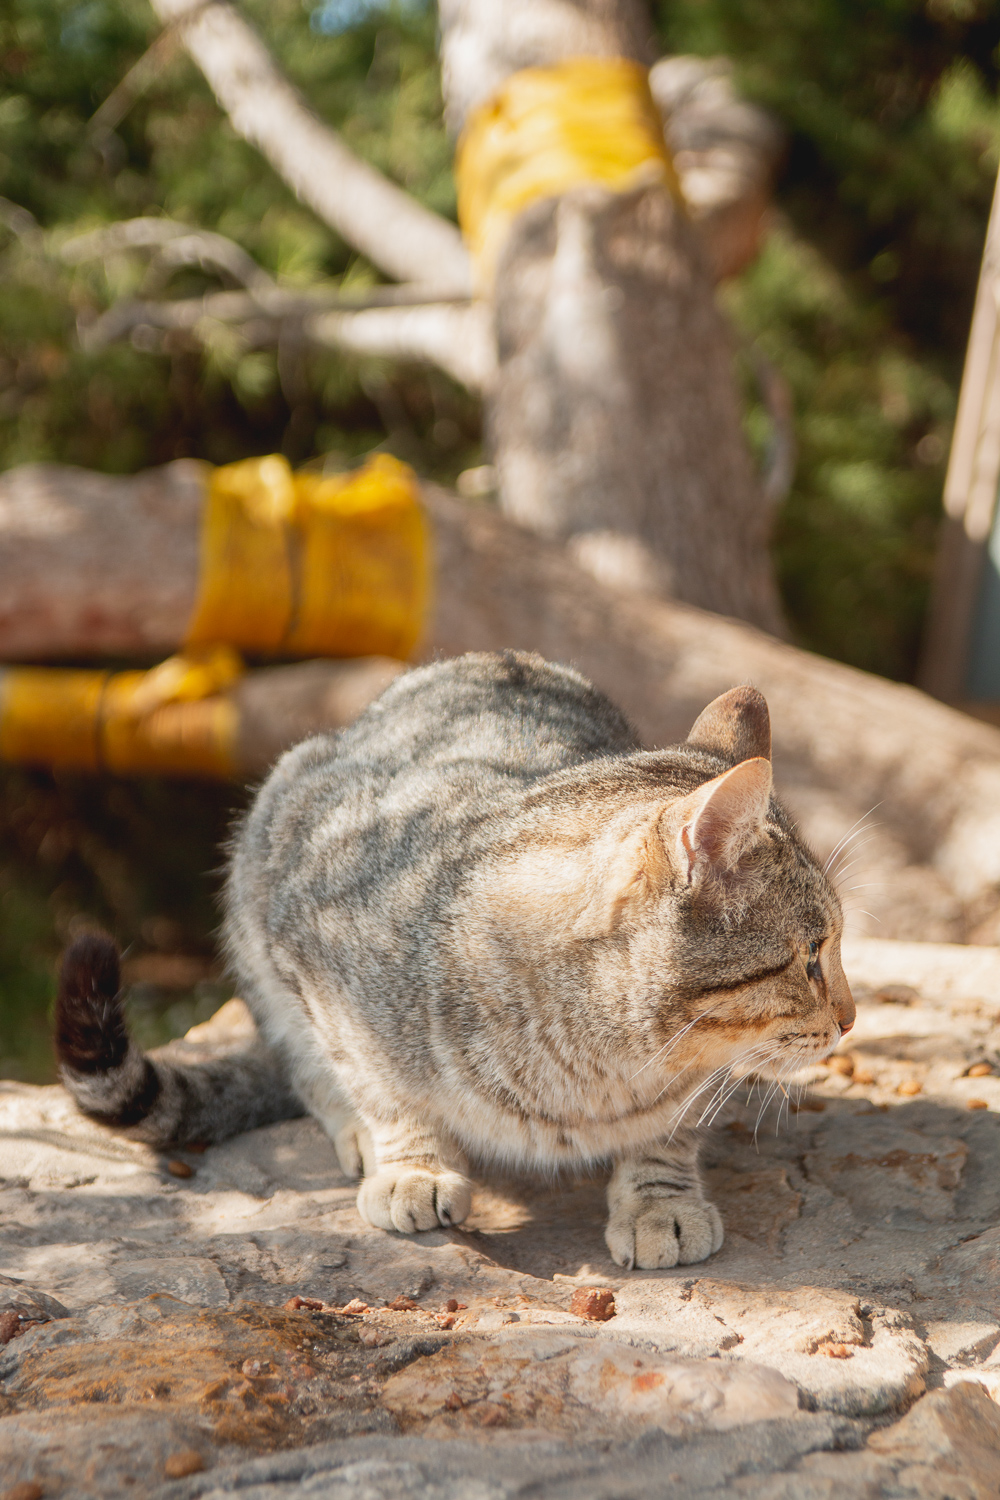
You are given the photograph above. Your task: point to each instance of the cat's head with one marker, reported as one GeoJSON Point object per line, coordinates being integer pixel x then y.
{"type": "Point", "coordinates": [752, 925]}
{"type": "Point", "coordinates": [708, 931]}
{"type": "Point", "coordinates": [728, 920]}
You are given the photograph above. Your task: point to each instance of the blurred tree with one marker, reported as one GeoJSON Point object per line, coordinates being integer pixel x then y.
{"type": "Point", "coordinates": [861, 299]}
{"type": "Point", "coordinates": [864, 294]}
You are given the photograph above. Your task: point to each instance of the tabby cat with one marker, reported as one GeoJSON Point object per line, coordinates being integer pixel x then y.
{"type": "Point", "coordinates": [484, 924]}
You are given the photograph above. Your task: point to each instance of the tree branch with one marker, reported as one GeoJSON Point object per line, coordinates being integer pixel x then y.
{"type": "Point", "coordinates": [409, 322]}
{"type": "Point", "coordinates": [457, 338]}
{"type": "Point", "coordinates": [405, 240]}
{"type": "Point", "coordinates": [175, 245]}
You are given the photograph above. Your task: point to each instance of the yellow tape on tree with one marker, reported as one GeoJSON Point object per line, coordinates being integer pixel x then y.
{"type": "Point", "coordinates": [299, 565]}
{"type": "Point", "coordinates": [50, 717]}
{"type": "Point", "coordinates": [245, 583]}
{"type": "Point", "coordinates": [546, 130]}
{"type": "Point", "coordinates": [291, 565]}
{"type": "Point", "coordinates": [363, 575]}
{"type": "Point", "coordinates": [172, 720]}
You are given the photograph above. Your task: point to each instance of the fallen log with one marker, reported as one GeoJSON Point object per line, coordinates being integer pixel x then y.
{"type": "Point", "coordinates": [93, 565]}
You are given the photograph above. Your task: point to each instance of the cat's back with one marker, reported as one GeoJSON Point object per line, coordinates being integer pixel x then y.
{"type": "Point", "coordinates": [509, 714]}
{"type": "Point", "coordinates": [512, 712]}
{"type": "Point", "coordinates": [443, 745]}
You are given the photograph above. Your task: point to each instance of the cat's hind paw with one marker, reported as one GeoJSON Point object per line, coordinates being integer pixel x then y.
{"type": "Point", "coordinates": [666, 1232]}
{"type": "Point", "coordinates": [406, 1197]}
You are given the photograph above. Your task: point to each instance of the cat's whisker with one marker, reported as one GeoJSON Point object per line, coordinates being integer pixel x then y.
{"type": "Point", "coordinates": [725, 1098]}
{"type": "Point", "coordinates": [764, 1048]}
{"type": "Point", "coordinates": [843, 841]}
{"type": "Point", "coordinates": [765, 1101]}
{"type": "Point", "coordinates": [724, 1091]}
{"type": "Point", "coordinates": [682, 1109]}
{"type": "Point", "coordinates": [664, 1052]}
{"type": "Point", "coordinates": [842, 870]}
{"type": "Point", "coordinates": [848, 857]}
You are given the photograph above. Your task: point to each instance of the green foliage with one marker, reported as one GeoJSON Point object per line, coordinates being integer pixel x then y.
{"type": "Point", "coordinates": [863, 296]}
{"type": "Point", "coordinates": [174, 153]}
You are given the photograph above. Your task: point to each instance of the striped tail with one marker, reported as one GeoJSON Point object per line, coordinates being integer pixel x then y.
{"type": "Point", "coordinates": [156, 1100]}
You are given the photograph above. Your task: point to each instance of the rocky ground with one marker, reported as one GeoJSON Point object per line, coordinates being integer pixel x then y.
{"type": "Point", "coordinates": [845, 1340]}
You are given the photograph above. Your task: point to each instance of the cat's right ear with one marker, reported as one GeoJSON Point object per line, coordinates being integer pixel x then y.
{"type": "Point", "coordinates": [708, 831]}
{"type": "Point", "coordinates": [736, 725]}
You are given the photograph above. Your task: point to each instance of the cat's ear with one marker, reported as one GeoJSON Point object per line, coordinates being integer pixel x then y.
{"type": "Point", "coordinates": [708, 831]}
{"type": "Point", "coordinates": [736, 725]}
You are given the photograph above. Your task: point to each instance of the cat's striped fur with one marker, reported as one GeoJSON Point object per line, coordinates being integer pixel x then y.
{"type": "Point", "coordinates": [483, 924]}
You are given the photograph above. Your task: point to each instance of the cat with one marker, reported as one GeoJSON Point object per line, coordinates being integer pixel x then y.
{"type": "Point", "coordinates": [483, 924]}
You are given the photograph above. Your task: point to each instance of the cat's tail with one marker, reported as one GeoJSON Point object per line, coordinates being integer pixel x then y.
{"type": "Point", "coordinates": [155, 1099]}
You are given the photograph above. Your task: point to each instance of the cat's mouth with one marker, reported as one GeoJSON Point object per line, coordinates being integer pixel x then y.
{"type": "Point", "coordinates": [794, 1054]}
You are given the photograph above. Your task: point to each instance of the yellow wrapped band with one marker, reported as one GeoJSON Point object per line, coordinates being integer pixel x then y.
{"type": "Point", "coordinates": [302, 565]}
{"type": "Point", "coordinates": [546, 130]}
{"type": "Point", "coordinates": [291, 565]}
{"type": "Point", "coordinates": [173, 720]}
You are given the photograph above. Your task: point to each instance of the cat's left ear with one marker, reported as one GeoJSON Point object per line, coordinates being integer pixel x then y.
{"type": "Point", "coordinates": [736, 725]}
{"type": "Point", "coordinates": [707, 832]}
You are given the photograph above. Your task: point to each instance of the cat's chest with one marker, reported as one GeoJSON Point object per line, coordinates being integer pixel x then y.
{"type": "Point", "coordinates": [571, 1125]}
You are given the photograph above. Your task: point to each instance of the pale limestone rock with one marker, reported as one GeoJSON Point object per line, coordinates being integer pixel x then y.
{"type": "Point", "coordinates": [575, 1382]}
{"type": "Point", "coordinates": [678, 1396]}
{"type": "Point", "coordinates": [190, 1278]}
{"type": "Point", "coordinates": [879, 1168]}
{"type": "Point", "coordinates": [862, 1259]}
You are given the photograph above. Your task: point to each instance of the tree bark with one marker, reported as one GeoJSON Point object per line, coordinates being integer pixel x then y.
{"type": "Point", "coordinates": [93, 565]}
{"type": "Point", "coordinates": [614, 417]}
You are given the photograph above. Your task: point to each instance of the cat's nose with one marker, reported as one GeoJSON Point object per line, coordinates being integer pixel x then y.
{"type": "Point", "coordinates": [841, 999]}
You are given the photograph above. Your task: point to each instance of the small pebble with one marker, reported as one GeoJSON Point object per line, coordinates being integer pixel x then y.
{"type": "Point", "coordinates": [25, 1489]}
{"type": "Point", "coordinates": [180, 1465]}
{"type": "Point", "coordinates": [897, 994]}
{"type": "Point", "coordinates": [490, 1414]}
{"type": "Point", "coordinates": [445, 1320]}
{"type": "Point", "coordinates": [980, 1070]}
{"type": "Point", "coordinates": [976, 1104]}
{"type": "Point", "coordinates": [841, 1062]}
{"type": "Point", "coordinates": [374, 1338]}
{"type": "Point", "coordinates": [310, 1304]}
{"type": "Point", "coordinates": [10, 1326]}
{"type": "Point", "coordinates": [837, 1351]}
{"type": "Point", "coordinates": [355, 1308]}
{"type": "Point", "coordinates": [251, 1368]}
{"type": "Point", "coordinates": [594, 1302]}
{"type": "Point", "coordinates": [179, 1169]}
{"type": "Point", "coordinates": [863, 1076]}
{"type": "Point", "coordinates": [909, 1086]}
{"type": "Point", "coordinates": [403, 1304]}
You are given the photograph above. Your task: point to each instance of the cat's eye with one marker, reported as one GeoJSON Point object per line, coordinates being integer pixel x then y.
{"type": "Point", "coordinates": [812, 961]}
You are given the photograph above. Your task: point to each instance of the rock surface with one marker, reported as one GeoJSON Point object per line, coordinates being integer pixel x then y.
{"type": "Point", "coordinates": [231, 1330]}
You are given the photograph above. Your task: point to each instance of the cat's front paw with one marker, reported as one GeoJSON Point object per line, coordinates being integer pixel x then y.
{"type": "Point", "coordinates": [665, 1232]}
{"type": "Point", "coordinates": [353, 1145]}
{"type": "Point", "coordinates": [406, 1198]}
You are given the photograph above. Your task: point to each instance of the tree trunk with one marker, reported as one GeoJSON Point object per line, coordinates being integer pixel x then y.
{"type": "Point", "coordinates": [614, 417]}
{"type": "Point", "coordinates": [94, 565]}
